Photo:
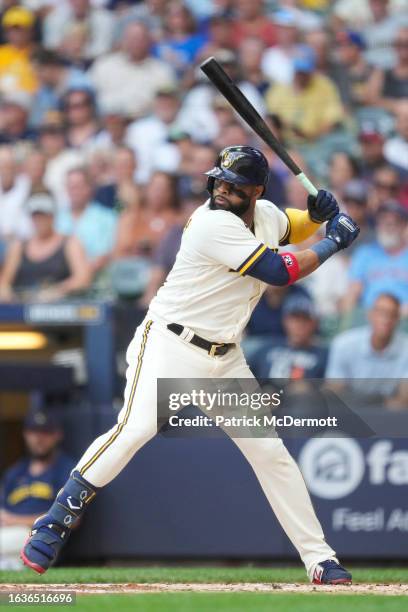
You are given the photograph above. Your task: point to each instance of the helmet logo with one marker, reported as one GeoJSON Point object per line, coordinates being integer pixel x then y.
{"type": "Point", "coordinates": [229, 159]}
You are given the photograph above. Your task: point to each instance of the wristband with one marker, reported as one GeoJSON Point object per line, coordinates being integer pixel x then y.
{"type": "Point", "coordinates": [292, 266]}
{"type": "Point", "coordinates": [324, 249]}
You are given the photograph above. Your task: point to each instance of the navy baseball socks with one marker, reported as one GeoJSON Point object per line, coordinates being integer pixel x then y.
{"type": "Point", "coordinates": [50, 531]}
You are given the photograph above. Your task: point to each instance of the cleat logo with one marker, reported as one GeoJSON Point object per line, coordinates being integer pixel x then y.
{"type": "Point", "coordinates": [83, 495]}
{"type": "Point", "coordinates": [68, 520]}
{"type": "Point", "coordinates": [72, 505]}
{"type": "Point", "coordinates": [317, 574]}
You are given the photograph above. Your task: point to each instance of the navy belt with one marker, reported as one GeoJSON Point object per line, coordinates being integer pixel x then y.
{"type": "Point", "coordinates": [212, 348]}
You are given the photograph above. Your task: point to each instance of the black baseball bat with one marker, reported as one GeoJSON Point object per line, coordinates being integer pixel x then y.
{"type": "Point", "coordinates": [244, 108]}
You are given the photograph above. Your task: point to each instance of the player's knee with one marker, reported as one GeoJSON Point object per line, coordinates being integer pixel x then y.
{"type": "Point", "coordinates": [136, 436]}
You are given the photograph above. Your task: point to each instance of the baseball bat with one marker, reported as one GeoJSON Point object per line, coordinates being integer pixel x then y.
{"type": "Point", "coordinates": [244, 108]}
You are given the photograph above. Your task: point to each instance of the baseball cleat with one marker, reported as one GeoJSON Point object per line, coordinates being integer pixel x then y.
{"type": "Point", "coordinates": [43, 545]}
{"type": "Point", "coordinates": [331, 572]}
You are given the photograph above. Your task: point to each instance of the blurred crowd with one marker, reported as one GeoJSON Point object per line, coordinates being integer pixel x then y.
{"type": "Point", "coordinates": [107, 125]}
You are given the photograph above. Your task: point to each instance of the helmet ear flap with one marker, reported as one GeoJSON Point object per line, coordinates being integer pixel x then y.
{"type": "Point", "coordinates": [210, 184]}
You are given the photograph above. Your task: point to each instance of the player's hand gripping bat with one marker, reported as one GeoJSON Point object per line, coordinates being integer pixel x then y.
{"type": "Point", "coordinates": [245, 109]}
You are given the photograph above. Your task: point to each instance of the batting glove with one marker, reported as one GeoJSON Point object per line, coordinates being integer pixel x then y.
{"type": "Point", "coordinates": [342, 230]}
{"type": "Point", "coordinates": [322, 207]}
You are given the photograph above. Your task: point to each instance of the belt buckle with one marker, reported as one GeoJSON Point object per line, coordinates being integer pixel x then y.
{"type": "Point", "coordinates": [214, 348]}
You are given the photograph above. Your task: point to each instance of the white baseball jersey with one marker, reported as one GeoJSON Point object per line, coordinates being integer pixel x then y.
{"type": "Point", "coordinates": [206, 290]}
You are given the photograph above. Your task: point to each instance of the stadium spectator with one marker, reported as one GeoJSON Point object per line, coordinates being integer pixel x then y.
{"type": "Point", "coordinates": [149, 12]}
{"type": "Point", "coordinates": [129, 78]}
{"type": "Point", "coordinates": [396, 147]}
{"type": "Point", "coordinates": [29, 486]}
{"type": "Point", "coordinates": [97, 21]}
{"type": "Point", "coordinates": [93, 224]}
{"type": "Point", "coordinates": [79, 105]}
{"type": "Point", "coordinates": [60, 158]}
{"type": "Point", "coordinates": [371, 140]}
{"type": "Point", "coordinates": [298, 356]}
{"type": "Point", "coordinates": [140, 229]}
{"type": "Point", "coordinates": [381, 266]}
{"type": "Point", "coordinates": [113, 124]}
{"type": "Point", "coordinates": [181, 43]}
{"type": "Point", "coordinates": [146, 135]}
{"type": "Point", "coordinates": [343, 168]}
{"type": "Point", "coordinates": [352, 69]}
{"type": "Point", "coordinates": [34, 167]}
{"type": "Point", "coordinates": [14, 128]}
{"type": "Point", "coordinates": [373, 359]}
{"type": "Point", "coordinates": [355, 201]}
{"type": "Point", "coordinates": [251, 20]}
{"type": "Point", "coordinates": [16, 71]}
{"type": "Point", "coordinates": [219, 34]}
{"type": "Point", "coordinates": [277, 61]}
{"type": "Point", "coordinates": [250, 54]}
{"type": "Point", "coordinates": [48, 266]}
{"type": "Point", "coordinates": [122, 191]}
{"type": "Point", "coordinates": [198, 114]}
{"type": "Point", "coordinates": [72, 47]}
{"type": "Point", "coordinates": [54, 79]}
{"type": "Point", "coordinates": [379, 35]}
{"type": "Point", "coordinates": [174, 156]}
{"type": "Point", "coordinates": [14, 190]}
{"type": "Point", "coordinates": [267, 316]}
{"type": "Point", "coordinates": [386, 87]}
{"type": "Point", "coordinates": [194, 180]}
{"type": "Point", "coordinates": [385, 186]}
{"type": "Point", "coordinates": [306, 118]}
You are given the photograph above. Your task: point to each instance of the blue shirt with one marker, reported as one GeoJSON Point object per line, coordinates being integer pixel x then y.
{"type": "Point", "coordinates": [22, 493]}
{"type": "Point", "coordinates": [353, 357]}
{"type": "Point", "coordinates": [185, 51]}
{"type": "Point", "coordinates": [95, 228]}
{"type": "Point", "coordinates": [380, 272]}
{"type": "Point", "coordinates": [279, 360]}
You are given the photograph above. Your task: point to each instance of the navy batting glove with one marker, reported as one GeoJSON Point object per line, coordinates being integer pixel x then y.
{"type": "Point", "coordinates": [342, 230]}
{"type": "Point", "coordinates": [322, 207]}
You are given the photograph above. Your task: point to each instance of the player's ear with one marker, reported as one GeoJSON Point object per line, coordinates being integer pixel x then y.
{"type": "Point", "coordinates": [258, 191]}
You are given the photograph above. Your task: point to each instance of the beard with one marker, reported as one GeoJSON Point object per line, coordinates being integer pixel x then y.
{"type": "Point", "coordinates": [238, 210]}
{"type": "Point", "coordinates": [42, 455]}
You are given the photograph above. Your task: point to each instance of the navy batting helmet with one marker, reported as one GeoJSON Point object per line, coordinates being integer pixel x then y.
{"type": "Point", "coordinates": [241, 165]}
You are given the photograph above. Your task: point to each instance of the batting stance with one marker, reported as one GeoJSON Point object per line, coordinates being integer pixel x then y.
{"type": "Point", "coordinates": [192, 330]}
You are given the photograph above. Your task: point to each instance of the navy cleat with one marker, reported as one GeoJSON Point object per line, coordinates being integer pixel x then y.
{"type": "Point", "coordinates": [331, 572]}
{"type": "Point", "coordinates": [44, 544]}
{"type": "Point", "coordinates": [50, 531]}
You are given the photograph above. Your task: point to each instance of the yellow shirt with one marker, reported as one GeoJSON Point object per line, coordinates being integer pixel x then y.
{"type": "Point", "coordinates": [311, 110]}
{"type": "Point", "coordinates": [16, 72]}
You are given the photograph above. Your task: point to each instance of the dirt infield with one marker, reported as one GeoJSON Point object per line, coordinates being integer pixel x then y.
{"type": "Point", "coordinates": [135, 588]}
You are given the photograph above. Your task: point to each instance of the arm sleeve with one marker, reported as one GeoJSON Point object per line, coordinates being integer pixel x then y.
{"type": "Point", "coordinates": [300, 225]}
{"type": "Point", "coordinates": [275, 269]}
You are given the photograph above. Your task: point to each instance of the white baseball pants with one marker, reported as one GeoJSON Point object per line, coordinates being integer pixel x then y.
{"type": "Point", "coordinates": [155, 352]}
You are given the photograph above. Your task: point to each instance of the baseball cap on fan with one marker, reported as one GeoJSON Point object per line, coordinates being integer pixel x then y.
{"type": "Point", "coordinates": [41, 203]}
{"type": "Point", "coordinates": [304, 59]}
{"type": "Point", "coordinates": [17, 17]}
{"type": "Point", "coordinates": [299, 305]}
{"type": "Point", "coordinates": [41, 420]}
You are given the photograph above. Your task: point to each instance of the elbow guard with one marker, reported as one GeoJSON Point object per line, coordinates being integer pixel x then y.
{"type": "Point", "coordinates": [275, 269]}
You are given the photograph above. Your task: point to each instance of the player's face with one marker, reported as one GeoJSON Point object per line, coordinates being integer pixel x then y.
{"type": "Point", "coordinates": [234, 198]}
{"type": "Point", "coordinates": [41, 444]}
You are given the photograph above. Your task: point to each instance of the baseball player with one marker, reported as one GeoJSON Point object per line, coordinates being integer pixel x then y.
{"type": "Point", "coordinates": [228, 255]}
